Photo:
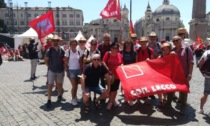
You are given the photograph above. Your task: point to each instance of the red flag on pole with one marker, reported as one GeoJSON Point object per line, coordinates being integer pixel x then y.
{"type": "Point", "coordinates": [112, 10]}
{"type": "Point", "coordinates": [131, 27]}
{"type": "Point", "coordinates": [155, 76]}
{"type": "Point", "coordinates": [199, 39]}
{"type": "Point", "coordinates": [43, 25]}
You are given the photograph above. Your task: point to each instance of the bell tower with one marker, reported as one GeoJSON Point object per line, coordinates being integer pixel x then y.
{"type": "Point", "coordinates": [198, 24]}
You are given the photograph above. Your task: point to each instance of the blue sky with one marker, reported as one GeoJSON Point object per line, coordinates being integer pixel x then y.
{"type": "Point", "coordinates": [92, 8]}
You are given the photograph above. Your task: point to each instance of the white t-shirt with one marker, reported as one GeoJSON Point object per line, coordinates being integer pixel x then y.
{"type": "Point", "coordinates": [136, 46]}
{"type": "Point", "coordinates": [204, 56]}
{"type": "Point", "coordinates": [73, 59]}
{"type": "Point", "coordinates": [90, 55]}
{"type": "Point", "coordinates": [80, 50]}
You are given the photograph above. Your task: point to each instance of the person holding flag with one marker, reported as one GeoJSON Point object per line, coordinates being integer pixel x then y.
{"type": "Point", "coordinates": [186, 59]}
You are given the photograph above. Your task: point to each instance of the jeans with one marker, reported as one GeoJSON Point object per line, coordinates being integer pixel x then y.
{"type": "Point", "coordinates": [34, 63]}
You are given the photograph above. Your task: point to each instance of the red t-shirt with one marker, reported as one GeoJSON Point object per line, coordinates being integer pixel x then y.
{"type": "Point", "coordinates": [112, 62]}
{"type": "Point", "coordinates": [143, 54]}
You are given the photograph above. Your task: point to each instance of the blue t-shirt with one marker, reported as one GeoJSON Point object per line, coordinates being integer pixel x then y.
{"type": "Point", "coordinates": [129, 57]}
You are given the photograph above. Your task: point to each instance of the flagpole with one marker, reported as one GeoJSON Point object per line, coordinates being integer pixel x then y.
{"type": "Point", "coordinates": [130, 10]}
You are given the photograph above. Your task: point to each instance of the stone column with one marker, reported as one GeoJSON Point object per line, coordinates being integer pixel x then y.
{"type": "Point", "coordinates": [198, 24]}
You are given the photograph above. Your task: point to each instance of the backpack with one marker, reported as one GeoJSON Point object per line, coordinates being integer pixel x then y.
{"type": "Point", "coordinates": [0, 60]}
{"type": "Point", "coordinates": [88, 52]}
{"type": "Point", "coordinates": [59, 48]}
{"type": "Point", "coordinates": [149, 52]}
{"type": "Point", "coordinates": [70, 53]}
{"type": "Point", "coordinates": [205, 68]}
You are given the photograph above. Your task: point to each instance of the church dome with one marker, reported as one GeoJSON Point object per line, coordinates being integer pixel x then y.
{"type": "Point", "coordinates": [166, 9]}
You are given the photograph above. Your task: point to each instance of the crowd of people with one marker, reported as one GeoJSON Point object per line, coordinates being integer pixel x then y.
{"type": "Point", "coordinates": [95, 67]}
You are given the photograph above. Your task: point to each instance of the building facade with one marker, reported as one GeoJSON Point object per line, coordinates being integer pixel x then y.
{"type": "Point", "coordinates": [68, 21]}
{"type": "Point", "coordinates": [112, 26]}
{"type": "Point", "coordinates": [165, 21]}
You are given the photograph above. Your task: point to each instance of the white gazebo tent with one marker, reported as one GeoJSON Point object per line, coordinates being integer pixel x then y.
{"type": "Point", "coordinates": [89, 40]}
{"type": "Point", "coordinates": [24, 38]}
{"type": "Point", "coordinates": [79, 35]}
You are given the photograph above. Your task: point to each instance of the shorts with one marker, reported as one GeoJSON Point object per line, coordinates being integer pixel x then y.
{"type": "Point", "coordinates": [98, 90]}
{"type": "Point", "coordinates": [74, 73]}
{"type": "Point", "coordinates": [51, 76]}
{"type": "Point", "coordinates": [115, 85]}
{"type": "Point", "coordinates": [207, 86]}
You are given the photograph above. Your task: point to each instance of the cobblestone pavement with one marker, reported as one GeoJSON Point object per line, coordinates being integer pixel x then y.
{"type": "Point", "coordinates": [22, 102]}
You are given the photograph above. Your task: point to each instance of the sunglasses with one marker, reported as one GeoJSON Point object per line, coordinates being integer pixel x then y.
{"type": "Point", "coordinates": [115, 48]}
{"type": "Point", "coordinates": [73, 44]}
{"type": "Point", "coordinates": [93, 44]}
{"type": "Point", "coordinates": [82, 41]}
{"type": "Point", "coordinates": [128, 44]}
{"type": "Point", "coordinates": [175, 41]}
{"type": "Point", "coordinates": [143, 41]}
{"type": "Point", "coordinates": [55, 40]}
{"type": "Point", "coordinates": [96, 59]}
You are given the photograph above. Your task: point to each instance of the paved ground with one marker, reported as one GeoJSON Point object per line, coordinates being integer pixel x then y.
{"type": "Point", "coordinates": [22, 102]}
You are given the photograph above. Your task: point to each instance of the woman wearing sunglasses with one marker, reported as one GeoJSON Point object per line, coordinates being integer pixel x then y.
{"type": "Point", "coordinates": [113, 59]}
{"type": "Point", "coordinates": [129, 56]}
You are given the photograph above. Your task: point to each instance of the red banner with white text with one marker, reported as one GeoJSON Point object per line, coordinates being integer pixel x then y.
{"type": "Point", "coordinates": [152, 77]}
{"type": "Point", "coordinates": [112, 10]}
{"type": "Point", "coordinates": [43, 25]}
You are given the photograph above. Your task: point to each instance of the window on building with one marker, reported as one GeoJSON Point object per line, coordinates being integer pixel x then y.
{"type": "Point", "coordinates": [29, 15]}
{"type": "Point", "coordinates": [64, 22]}
{"type": "Point", "coordinates": [22, 23]}
{"type": "Point", "coordinates": [63, 15]}
{"type": "Point", "coordinates": [7, 22]}
{"type": "Point", "coordinates": [6, 15]}
{"type": "Point", "coordinates": [157, 19]}
{"type": "Point", "coordinates": [71, 30]}
{"type": "Point", "coordinates": [35, 15]}
{"type": "Point", "coordinates": [78, 16]}
{"type": "Point", "coordinates": [57, 23]}
{"type": "Point", "coordinates": [15, 22]}
{"type": "Point", "coordinates": [167, 18]}
{"type": "Point", "coordinates": [71, 23]}
{"type": "Point", "coordinates": [71, 15]}
{"type": "Point", "coordinates": [14, 15]}
{"type": "Point", "coordinates": [78, 23]}
{"type": "Point", "coordinates": [21, 15]}
{"type": "Point", "coordinates": [57, 15]}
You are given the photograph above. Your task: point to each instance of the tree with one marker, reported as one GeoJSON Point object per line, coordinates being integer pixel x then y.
{"type": "Point", "coordinates": [2, 4]}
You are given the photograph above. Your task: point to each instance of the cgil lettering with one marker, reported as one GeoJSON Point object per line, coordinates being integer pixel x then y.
{"type": "Point", "coordinates": [163, 87]}
{"type": "Point", "coordinates": [156, 88]}
{"type": "Point", "coordinates": [139, 91]}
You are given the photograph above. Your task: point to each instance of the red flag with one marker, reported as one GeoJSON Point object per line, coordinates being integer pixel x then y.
{"type": "Point", "coordinates": [199, 39]}
{"type": "Point", "coordinates": [44, 25]}
{"type": "Point", "coordinates": [131, 27]}
{"type": "Point", "coordinates": [150, 77]}
{"type": "Point", "coordinates": [112, 10]}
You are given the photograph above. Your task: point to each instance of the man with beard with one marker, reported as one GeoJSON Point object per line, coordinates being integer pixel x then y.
{"type": "Point", "coordinates": [55, 63]}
